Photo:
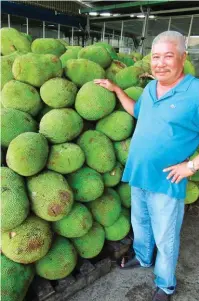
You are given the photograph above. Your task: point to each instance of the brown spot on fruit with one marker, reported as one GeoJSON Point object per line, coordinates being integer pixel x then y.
{"type": "Point", "coordinates": [64, 196]}
{"type": "Point", "coordinates": [34, 244]}
{"type": "Point", "coordinates": [55, 209]}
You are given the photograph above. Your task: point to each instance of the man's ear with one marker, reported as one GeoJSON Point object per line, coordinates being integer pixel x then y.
{"type": "Point", "coordinates": [184, 57]}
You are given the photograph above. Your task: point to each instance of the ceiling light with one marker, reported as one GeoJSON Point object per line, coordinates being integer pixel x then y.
{"type": "Point", "coordinates": [141, 16]}
{"type": "Point", "coordinates": [93, 13]}
{"type": "Point", "coordinates": [132, 15]}
{"type": "Point", "coordinates": [51, 25]}
{"type": "Point", "coordinates": [105, 14]}
{"type": "Point", "coordinates": [116, 15]}
{"type": "Point", "coordinates": [151, 16]}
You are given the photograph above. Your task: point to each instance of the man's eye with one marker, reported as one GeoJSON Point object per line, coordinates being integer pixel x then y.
{"type": "Point", "coordinates": [155, 57]}
{"type": "Point", "coordinates": [169, 56]}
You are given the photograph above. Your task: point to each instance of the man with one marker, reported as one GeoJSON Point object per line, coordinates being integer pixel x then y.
{"type": "Point", "coordinates": [166, 135]}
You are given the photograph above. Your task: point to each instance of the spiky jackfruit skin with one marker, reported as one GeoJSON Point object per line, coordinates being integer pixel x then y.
{"type": "Point", "coordinates": [50, 195]}
{"type": "Point", "coordinates": [21, 96]}
{"type": "Point", "coordinates": [91, 244]}
{"type": "Point", "coordinates": [97, 54]}
{"type": "Point", "coordinates": [61, 125]}
{"type": "Point", "coordinates": [98, 150]}
{"type": "Point", "coordinates": [87, 184]}
{"type": "Point", "coordinates": [136, 56]}
{"type": "Point", "coordinates": [189, 68]}
{"type": "Point", "coordinates": [107, 208]}
{"type": "Point", "coordinates": [71, 53]}
{"type": "Point", "coordinates": [12, 40]}
{"type": "Point", "coordinates": [81, 71]}
{"type": "Point", "coordinates": [117, 126]}
{"type": "Point", "coordinates": [115, 67]}
{"type": "Point", "coordinates": [48, 46]}
{"type": "Point", "coordinates": [15, 279]}
{"type": "Point", "coordinates": [113, 177]}
{"type": "Point", "coordinates": [6, 68]}
{"type": "Point", "coordinates": [59, 262]}
{"type": "Point", "coordinates": [58, 93]}
{"type": "Point", "coordinates": [14, 202]}
{"type": "Point", "coordinates": [27, 154]}
{"type": "Point", "coordinates": [125, 59]}
{"type": "Point", "coordinates": [134, 92]}
{"type": "Point", "coordinates": [65, 158]}
{"type": "Point", "coordinates": [94, 102]}
{"type": "Point", "coordinates": [108, 48]}
{"type": "Point", "coordinates": [36, 69]}
{"type": "Point", "coordinates": [124, 191]}
{"type": "Point", "coordinates": [192, 193]}
{"type": "Point", "coordinates": [14, 123]}
{"type": "Point", "coordinates": [119, 229]}
{"type": "Point", "coordinates": [122, 149]}
{"type": "Point", "coordinates": [128, 77]}
{"type": "Point", "coordinates": [28, 242]}
{"type": "Point", "coordinates": [76, 224]}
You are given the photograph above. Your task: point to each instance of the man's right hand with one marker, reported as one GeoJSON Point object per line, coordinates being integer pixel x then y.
{"type": "Point", "coordinates": [107, 84]}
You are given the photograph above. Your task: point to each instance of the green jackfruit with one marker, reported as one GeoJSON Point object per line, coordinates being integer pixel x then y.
{"type": "Point", "coordinates": [50, 195]}
{"type": "Point", "coordinates": [134, 92]}
{"type": "Point", "coordinates": [65, 158]}
{"type": "Point", "coordinates": [59, 262]}
{"type": "Point", "coordinates": [119, 229]}
{"type": "Point", "coordinates": [58, 93]}
{"type": "Point", "coordinates": [108, 48]}
{"type": "Point", "coordinates": [71, 53]}
{"type": "Point", "coordinates": [91, 244]}
{"type": "Point", "coordinates": [6, 67]}
{"type": "Point", "coordinates": [28, 242]}
{"type": "Point", "coordinates": [61, 125]}
{"type": "Point", "coordinates": [115, 67]}
{"type": "Point", "coordinates": [48, 46]}
{"type": "Point", "coordinates": [14, 123]}
{"type": "Point", "coordinates": [87, 184]}
{"type": "Point", "coordinates": [63, 42]}
{"type": "Point", "coordinates": [136, 56]}
{"type": "Point", "coordinates": [121, 150]}
{"type": "Point", "coordinates": [113, 177]}
{"type": "Point", "coordinates": [28, 36]}
{"type": "Point", "coordinates": [76, 224]}
{"type": "Point", "coordinates": [126, 59]}
{"type": "Point", "coordinates": [81, 71]}
{"type": "Point", "coordinates": [117, 126]}
{"type": "Point", "coordinates": [94, 102]}
{"type": "Point", "coordinates": [145, 65]}
{"type": "Point", "coordinates": [15, 279]}
{"type": "Point", "coordinates": [124, 191]}
{"type": "Point", "coordinates": [12, 40]}
{"type": "Point", "coordinates": [128, 77]}
{"type": "Point", "coordinates": [192, 193]}
{"type": "Point", "coordinates": [189, 68]}
{"type": "Point", "coordinates": [98, 150]}
{"type": "Point", "coordinates": [36, 69]}
{"type": "Point", "coordinates": [15, 203]}
{"type": "Point", "coordinates": [27, 153]}
{"type": "Point", "coordinates": [107, 208]}
{"type": "Point", "coordinates": [20, 96]}
{"type": "Point", "coordinates": [97, 54]}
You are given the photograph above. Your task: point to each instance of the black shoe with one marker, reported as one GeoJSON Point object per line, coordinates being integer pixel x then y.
{"type": "Point", "coordinates": [160, 295]}
{"type": "Point", "coordinates": [129, 262]}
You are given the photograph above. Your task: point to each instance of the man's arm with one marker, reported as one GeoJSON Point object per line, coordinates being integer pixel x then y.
{"type": "Point", "coordinates": [127, 102]}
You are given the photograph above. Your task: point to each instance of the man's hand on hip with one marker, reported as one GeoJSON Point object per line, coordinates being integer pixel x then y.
{"type": "Point", "coordinates": [178, 172]}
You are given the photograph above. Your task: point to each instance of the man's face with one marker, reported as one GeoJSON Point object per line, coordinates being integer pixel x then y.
{"type": "Point", "coordinates": [166, 62]}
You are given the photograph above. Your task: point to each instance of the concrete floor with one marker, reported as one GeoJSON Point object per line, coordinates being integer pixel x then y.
{"type": "Point", "coordinates": [137, 284]}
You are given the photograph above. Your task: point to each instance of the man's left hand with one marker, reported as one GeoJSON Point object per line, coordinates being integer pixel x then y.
{"type": "Point", "coordinates": [178, 172]}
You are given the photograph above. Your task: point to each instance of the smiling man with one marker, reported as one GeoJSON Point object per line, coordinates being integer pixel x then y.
{"type": "Point", "coordinates": [166, 135]}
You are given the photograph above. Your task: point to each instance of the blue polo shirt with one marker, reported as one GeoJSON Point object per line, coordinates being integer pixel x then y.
{"type": "Point", "coordinates": [167, 133]}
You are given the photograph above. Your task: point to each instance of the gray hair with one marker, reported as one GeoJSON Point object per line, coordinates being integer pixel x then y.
{"type": "Point", "coordinates": [171, 36]}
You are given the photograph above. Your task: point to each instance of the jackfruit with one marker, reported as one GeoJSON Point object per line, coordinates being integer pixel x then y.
{"type": "Point", "coordinates": [128, 77]}
{"type": "Point", "coordinates": [76, 224]}
{"type": "Point", "coordinates": [6, 67]}
{"type": "Point", "coordinates": [48, 46]}
{"type": "Point", "coordinates": [28, 242]}
{"type": "Point", "coordinates": [14, 123]}
{"type": "Point", "coordinates": [119, 229]}
{"type": "Point", "coordinates": [65, 158]}
{"type": "Point", "coordinates": [122, 150]}
{"type": "Point", "coordinates": [94, 102]}
{"type": "Point", "coordinates": [15, 279]}
{"type": "Point", "coordinates": [125, 59]}
{"type": "Point", "coordinates": [59, 262]}
{"type": "Point", "coordinates": [145, 65]}
{"type": "Point", "coordinates": [115, 67]}
{"type": "Point", "coordinates": [136, 56]}
{"type": "Point", "coordinates": [91, 244]}
{"type": "Point", "coordinates": [87, 184]}
{"type": "Point", "coordinates": [107, 208]}
{"type": "Point", "coordinates": [50, 195]}
{"type": "Point", "coordinates": [117, 126]}
{"type": "Point", "coordinates": [36, 69]}
{"type": "Point", "coordinates": [192, 193]}
{"type": "Point", "coordinates": [124, 191]}
{"type": "Point", "coordinates": [61, 125]}
{"type": "Point", "coordinates": [81, 71]}
{"type": "Point", "coordinates": [189, 68]}
{"type": "Point", "coordinates": [63, 42]}
{"type": "Point", "coordinates": [98, 150]}
{"type": "Point", "coordinates": [108, 48]}
{"type": "Point", "coordinates": [97, 54]}
{"type": "Point", "coordinates": [27, 153]}
{"type": "Point", "coordinates": [71, 53]}
{"type": "Point", "coordinates": [12, 40]}
{"type": "Point", "coordinates": [14, 202]}
{"type": "Point", "coordinates": [21, 96]}
{"type": "Point", "coordinates": [113, 177]}
{"type": "Point", "coordinates": [134, 92]}
{"type": "Point", "coordinates": [28, 36]}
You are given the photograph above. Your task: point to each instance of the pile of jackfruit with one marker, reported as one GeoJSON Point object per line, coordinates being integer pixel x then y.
{"type": "Point", "coordinates": [65, 142]}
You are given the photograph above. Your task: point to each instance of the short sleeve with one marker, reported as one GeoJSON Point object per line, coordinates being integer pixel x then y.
{"type": "Point", "coordinates": [137, 107]}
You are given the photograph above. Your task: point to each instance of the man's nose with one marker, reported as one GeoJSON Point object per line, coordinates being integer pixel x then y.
{"type": "Point", "coordinates": [161, 62]}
